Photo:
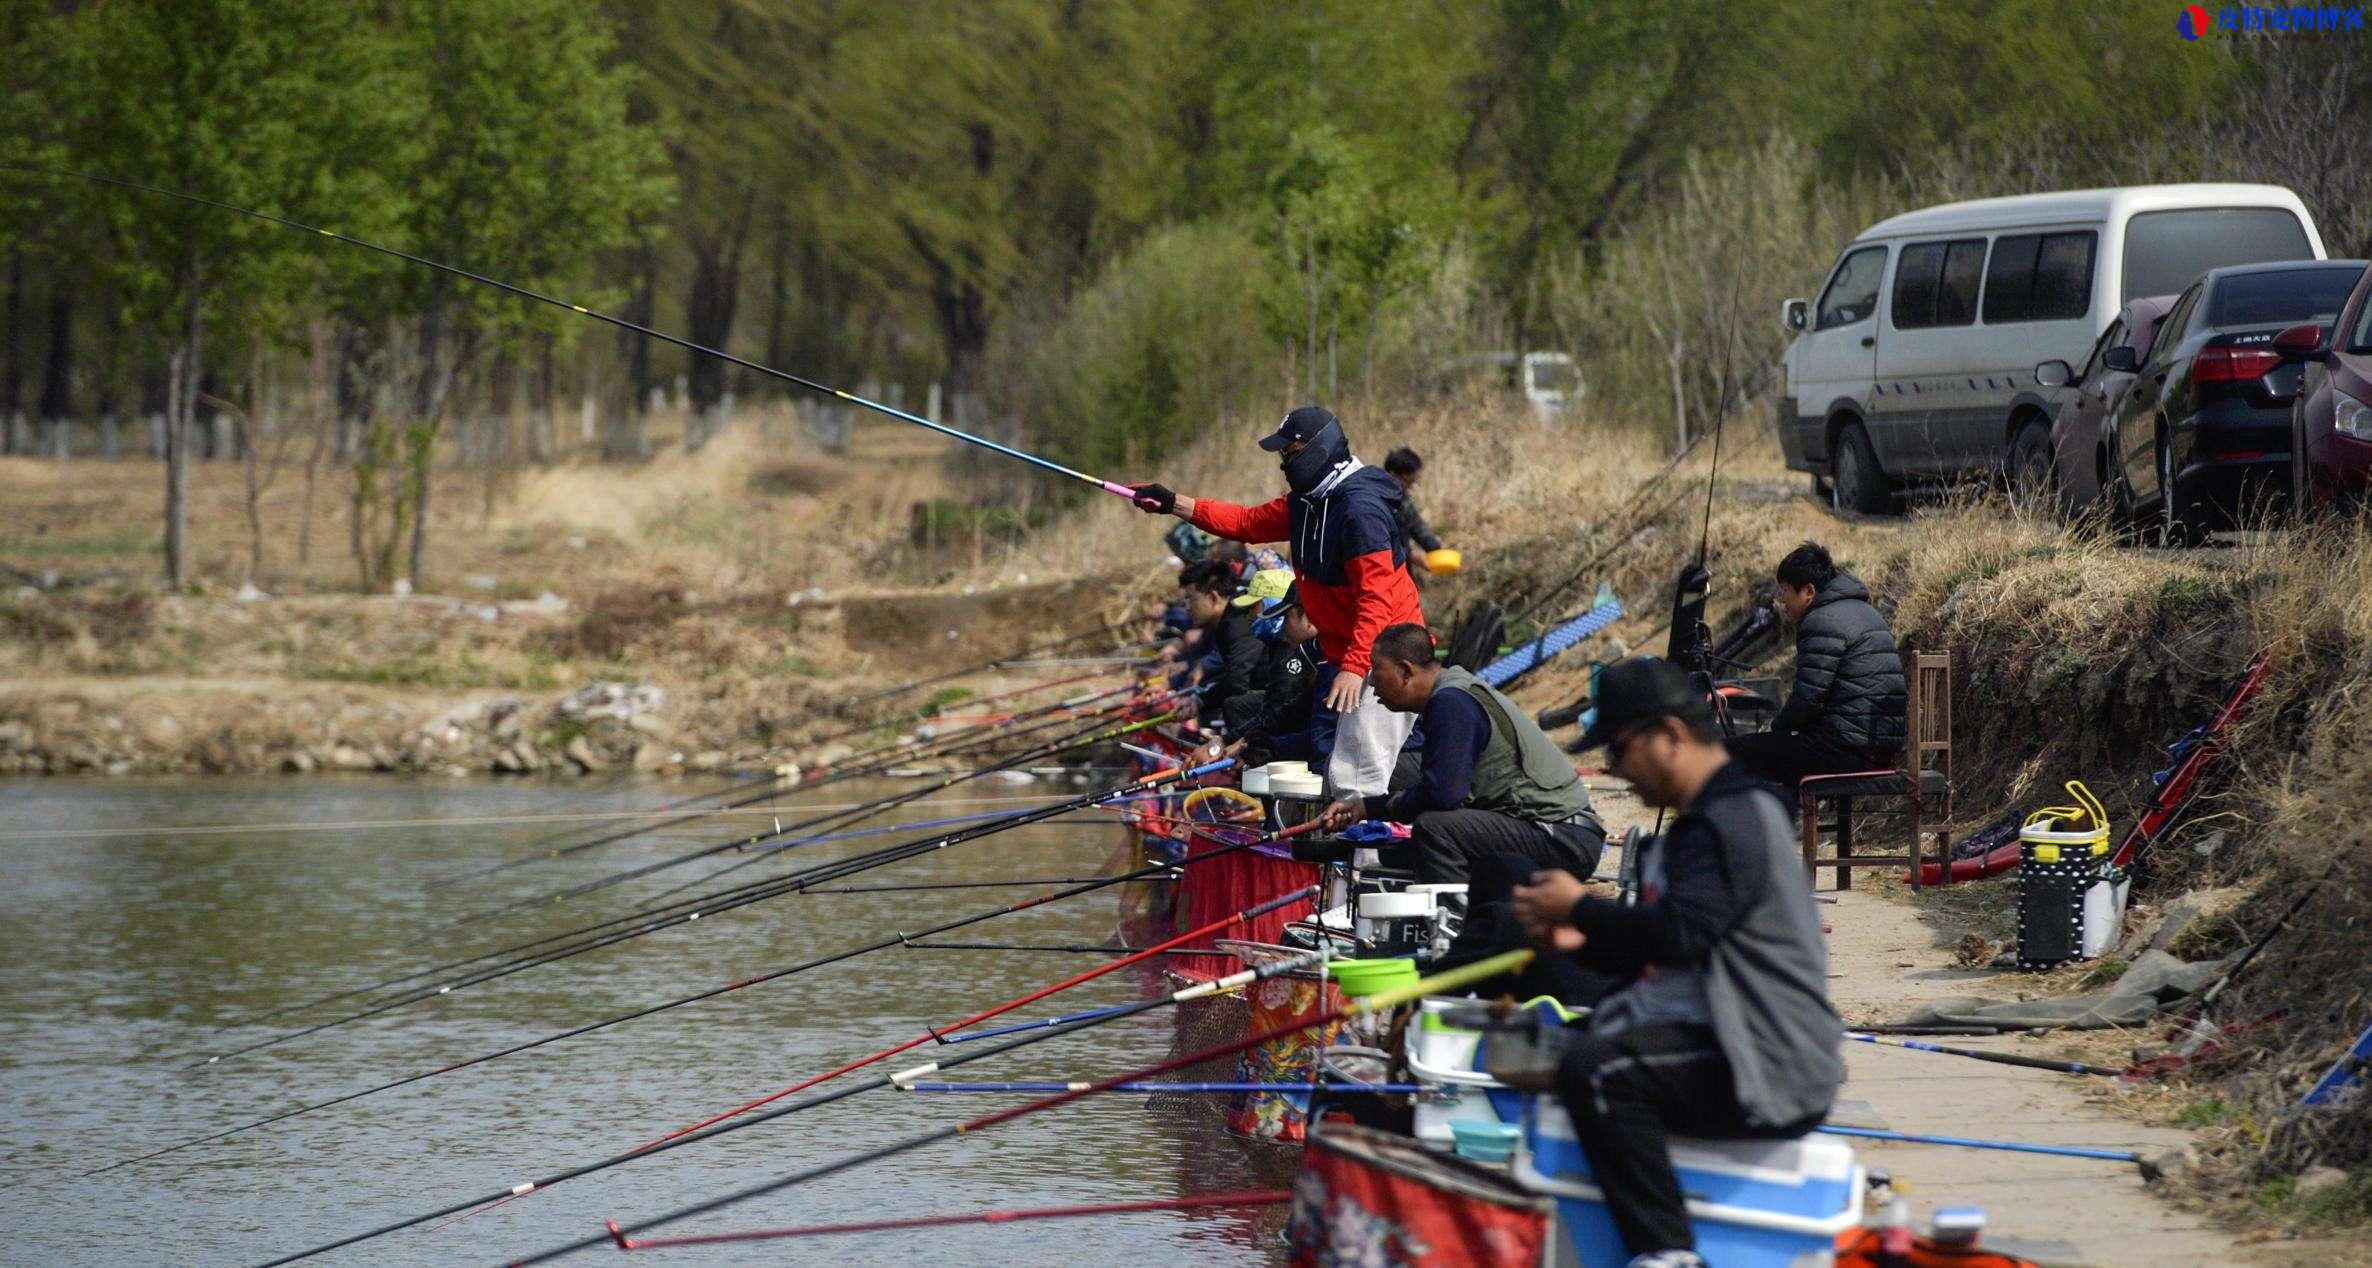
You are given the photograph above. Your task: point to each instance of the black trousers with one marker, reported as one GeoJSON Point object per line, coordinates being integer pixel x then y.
{"type": "Point", "coordinates": [1785, 758]}
{"type": "Point", "coordinates": [1491, 927]}
{"type": "Point", "coordinates": [1447, 842]}
{"type": "Point", "coordinates": [1626, 1094]}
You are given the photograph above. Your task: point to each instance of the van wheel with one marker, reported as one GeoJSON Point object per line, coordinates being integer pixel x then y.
{"type": "Point", "coordinates": [1861, 486]}
{"type": "Point", "coordinates": [2033, 483]}
{"type": "Point", "coordinates": [1822, 491]}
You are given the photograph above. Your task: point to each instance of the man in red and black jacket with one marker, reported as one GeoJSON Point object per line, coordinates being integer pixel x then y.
{"type": "Point", "coordinates": [1341, 521]}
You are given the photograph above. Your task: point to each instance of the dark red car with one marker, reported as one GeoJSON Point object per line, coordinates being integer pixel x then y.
{"type": "Point", "coordinates": [2331, 422]}
{"type": "Point", "coordinates": [2068, 458]}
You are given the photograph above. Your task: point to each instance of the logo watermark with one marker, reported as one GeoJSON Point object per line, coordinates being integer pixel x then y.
{"type": "Point", "coordinates": [2196, 22]}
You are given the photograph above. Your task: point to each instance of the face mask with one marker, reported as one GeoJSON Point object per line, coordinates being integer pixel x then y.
{"type": "Point", "coordinates": [1308, 469]}
{"type": "Point", "coordinates": [1269, 629]}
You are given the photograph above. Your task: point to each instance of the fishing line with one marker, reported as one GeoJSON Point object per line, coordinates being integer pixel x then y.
{"type": "Point", "coordinates": [1045, 464]}
{"type": "Point", "coordinates": [1262, 1197]}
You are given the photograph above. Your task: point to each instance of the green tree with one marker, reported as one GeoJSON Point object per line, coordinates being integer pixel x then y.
{"type": "Point", "coordinates": [249, 102]}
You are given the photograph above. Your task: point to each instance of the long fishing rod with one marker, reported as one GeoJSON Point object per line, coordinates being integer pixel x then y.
{"type": "Point", "coordinates": [836, 957]}
{"type": "Point", "coordinates": [872, 761]}
{"type": "Point", "coordinates": [710, 905]}
{"type": "Point", "coordinates": [1450, 980]}
{"type": "Point", "coordinates": [983, 667]}
{"type": "Point", "coordinates": [1044, 464]}
{"type": "Point", "coordinates": [1979, 1054]}
{"type": "Point", "coordinates": [649, 916]}
{"type": "Point", "coordinates": [1233, 982]}
{"type": "Point", "coordinates": [804, 778]}
{"type": "Point", "coordinates": [1256, 1197]}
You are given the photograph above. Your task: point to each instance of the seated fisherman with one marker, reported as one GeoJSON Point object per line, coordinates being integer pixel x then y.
{"type": "Point", "coordinates": [1231, 655]}
{"type": "Point", "coordinates": [1492, 782]}
{"type": "Point", "coordinates": [1725, 1029]}
{"type": "Point", "coordinates": [1845, 712]}
{"type": "Point", "coordinates": [1279, 719]}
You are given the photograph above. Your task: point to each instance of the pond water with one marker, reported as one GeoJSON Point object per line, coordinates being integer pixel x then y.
{"type": "Point", "coordinates": [135, 941]}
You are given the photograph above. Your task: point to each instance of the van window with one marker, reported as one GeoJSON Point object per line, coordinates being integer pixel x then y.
{"type": "Point", "coordinates": [2039, 277]}
{"type": "Point", "coordinates": [2164, 250]}
{"type": "Point", "coordinates": [1936, 284]}
{"type": "Point", "coordinates": [2283, 298]}
{"type": "Point", "coordinates": [1852, 294]}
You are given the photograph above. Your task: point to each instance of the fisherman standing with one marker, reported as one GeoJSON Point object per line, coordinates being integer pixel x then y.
{"type": "Point", "coordinates": [1404, 464]}
{"type": "Point", "coordinates": [1846, 710]}
{"type": "Point", "coordinates": [1341, 521]}
{"type": "Point", "coordinates": [1493, 783]}
{"type": "Point", "coordinates": [1725, 1030]}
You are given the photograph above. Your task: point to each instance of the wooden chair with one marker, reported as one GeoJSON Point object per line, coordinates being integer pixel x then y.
{"type": "Point", "coordinates": [1923, 782]}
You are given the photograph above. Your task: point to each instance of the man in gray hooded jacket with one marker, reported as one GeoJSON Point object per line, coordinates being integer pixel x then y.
{"type": "Point", "coordinates": [1725, 1028]}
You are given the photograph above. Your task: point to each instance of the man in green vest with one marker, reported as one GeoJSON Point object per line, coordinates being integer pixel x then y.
{"type": "Point", "coordinates": [1493, 783]}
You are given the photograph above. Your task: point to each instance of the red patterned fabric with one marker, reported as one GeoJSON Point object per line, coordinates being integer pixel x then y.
{"type": "Point", "coordinates": [1366, 1198]}
{"type": "Point", "coordinates": [1244, 879]}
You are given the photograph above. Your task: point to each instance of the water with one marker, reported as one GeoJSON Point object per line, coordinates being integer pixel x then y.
{"type": "Point", "coordinates": [122, 957]}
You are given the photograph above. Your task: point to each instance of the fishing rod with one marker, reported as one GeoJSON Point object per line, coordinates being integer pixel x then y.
{"type": "Point", "coordinates": [854, 766]}
{"type": "Point", "coordinates": [1261, 1197]}
{"type": "Point", "coordinates": [1441, 983]}
{"type": "Point", "coordinates": [1974, 1142]}
{"type": "Point", "coordinates": [1979, 1054]}
{"type": "Point", "coordinates": [1233, 982]}
{"type": "Point", "coordinates": [547, 848]}
{"type": "Point", "coordinates": [983, 667]}
{"type": "Point", "coordinates": [1206, 1089]}
{"type": "Point", "coordinates": [709, 905]}
{"type": "Point", "coordinates": [649, 917]}
{"type": "Point", "coordinates": [1043, 464]}
{"type": "Point", "coordinates": [712, 993]}
{"type": "Point", "coordinates": [913, 886]}
{"type": "Point", "coordinates": [971, 742]}
{"type": "Point", "coordinates": [1072, 948]}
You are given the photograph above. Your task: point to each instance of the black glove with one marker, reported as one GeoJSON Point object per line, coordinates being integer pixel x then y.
{"type": "Point", "coordinates": [1154, 499]}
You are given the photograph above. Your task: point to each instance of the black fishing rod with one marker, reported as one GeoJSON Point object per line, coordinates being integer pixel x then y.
{"type": "Point", "coordinates": [689, 910]}
{"type": "Point", "coordinates": [1258, 973]}
{"type": "Point", "coordinates": [856, 765]}
{"type": "Point", "coordinates": [968, 743]}
{"type": "Point", "coordinates": [1622, 515]}
{"type": "Point", "coordinates": [1044, 464]}
{"type": "Point", "coordinates": [645, 912]}
{"type": "Point", "coordinates": [953, 674]}
{"type": "Point", "coordinates": [836, 957]}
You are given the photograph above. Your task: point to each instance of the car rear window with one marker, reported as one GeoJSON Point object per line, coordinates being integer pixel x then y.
{"type": "Point", "coordinates": [2164, 250]}
{"type": "Point", "coordinates": [2283, 298]}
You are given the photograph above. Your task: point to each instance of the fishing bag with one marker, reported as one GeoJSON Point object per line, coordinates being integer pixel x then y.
{"type": "Point", "coordinates": [1369, 1197]}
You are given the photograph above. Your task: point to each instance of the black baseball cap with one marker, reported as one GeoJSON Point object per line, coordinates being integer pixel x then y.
{"type": "Point", "coordinates": [1640, 690]}
{"type": "Point", "coordinates": [1298, 426]}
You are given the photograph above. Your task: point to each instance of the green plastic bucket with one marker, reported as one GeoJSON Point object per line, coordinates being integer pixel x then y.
{"type": "Point", "coordinates": [1372, 977]}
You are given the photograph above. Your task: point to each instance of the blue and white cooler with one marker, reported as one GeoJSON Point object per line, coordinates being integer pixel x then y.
{"type": "Point", "coordinates": [1754, 1203]}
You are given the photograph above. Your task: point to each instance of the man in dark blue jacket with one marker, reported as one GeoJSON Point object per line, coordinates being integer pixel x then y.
{"type": "Point", "coordinates": [1725, 1029]}
{"type": "Point", "coordinates": [1845, 712]}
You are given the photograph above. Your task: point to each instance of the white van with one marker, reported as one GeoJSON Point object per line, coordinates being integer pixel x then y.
{"type": "Point", "coordinates": [1916, 363]}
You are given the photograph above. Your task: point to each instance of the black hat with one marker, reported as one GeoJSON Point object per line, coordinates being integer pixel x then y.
{"type": "Point", "coordinates": [1300, 425]}
{"type": "Point", "coordinates": [1639, 690]}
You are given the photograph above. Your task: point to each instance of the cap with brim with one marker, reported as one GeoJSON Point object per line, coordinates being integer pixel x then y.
{"type": "Point", "coordinates": [1639, 691]}
{"type": "Point", "coordinates": [1265, 585]}
{"type": "Point", "coordinates": [1298, 426]}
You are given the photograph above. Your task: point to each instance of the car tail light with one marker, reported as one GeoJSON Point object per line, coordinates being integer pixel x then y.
{"type": "Point", "coordinates": [2233, 365]}
{"type": "Point", "coordinates": [2350, 417]}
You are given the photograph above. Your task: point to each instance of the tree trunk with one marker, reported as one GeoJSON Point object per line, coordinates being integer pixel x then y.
{"type": "Point", "coordinates": [180, 429]}
{"type": "Point", "coordinates": [12, 364]}
{"type": "Point", "coordinates": [716, 294]}
{"type": "Point", "coordinates": [624, 438]}
{"type": "Point", "coordinates": [778, 296]}
{"type": "Point", "coordinates": [57, 372]}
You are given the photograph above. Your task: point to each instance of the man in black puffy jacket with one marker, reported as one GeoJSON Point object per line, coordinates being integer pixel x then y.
{"type": "Point", "coordinates": [1846, 710]}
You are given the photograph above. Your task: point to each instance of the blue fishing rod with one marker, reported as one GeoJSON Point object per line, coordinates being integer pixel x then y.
{"type": "Point", "coordinates": [1044, 464]}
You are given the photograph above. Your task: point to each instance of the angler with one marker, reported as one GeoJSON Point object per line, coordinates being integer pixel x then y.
{"type": "Point", "coordinates": [1340, 517]}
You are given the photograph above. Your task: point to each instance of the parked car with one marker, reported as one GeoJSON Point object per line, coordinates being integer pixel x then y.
{"type": "Point", "coordinates": [1910, 365]}
{"type": "Point", "coordinates": [2205, 430]}
{"type": "Point", "coordinates": [2331, 416]}
{"type": "Point", "coordinates": [1549, 380]}
{"type": "Point", "coordinates": [2066, 463]}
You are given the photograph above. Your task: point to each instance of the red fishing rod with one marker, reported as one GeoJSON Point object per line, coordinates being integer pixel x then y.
{"type": "Point", "coordinates": [1067, 1027]}
{"type": "Point", "coordinates": [1154, 779]}
{"type": "Point", "coordinates": [1451, 980]}
{"type": "Point", "coordinates": [1254, 1197]}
